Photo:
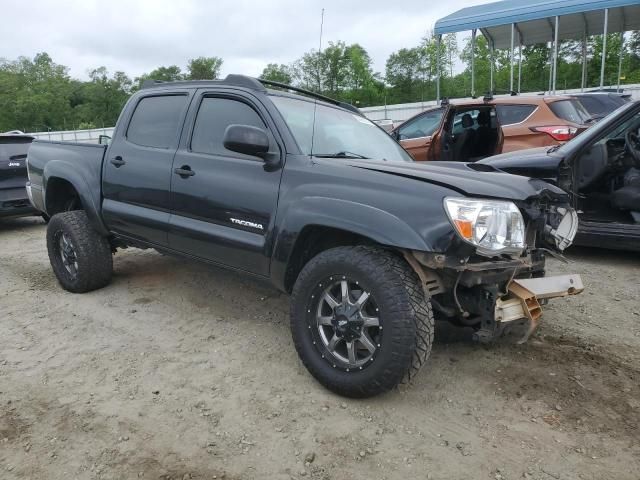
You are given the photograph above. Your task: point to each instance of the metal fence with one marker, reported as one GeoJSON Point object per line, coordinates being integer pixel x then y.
{"type": "Point", "coordinates": [84, 136]}
{"type": "Point", "coordinates": [398, 113]}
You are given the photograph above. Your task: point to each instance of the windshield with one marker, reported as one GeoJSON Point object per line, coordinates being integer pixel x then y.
{"type": "Point", "coordinates": [337, 133]}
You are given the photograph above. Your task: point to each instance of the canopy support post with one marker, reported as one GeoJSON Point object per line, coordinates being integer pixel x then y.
{"type": "Point", "coordinates": [620, 60]}
{"type": "Point", "coordinates": [491, 67]}
{"type": "Point", "coordinates": [584, 59]}
{"type": "Point", "coordinates": [604, 47]}
{"type": "Point", "coordinates": [555, 55]}
{"type": "Point", "coordinates": [473, 63]}
{"type": "Point", "coordinates": [550, 65]}
{"type": "Point", "coordinates": [513, 33]}
{"type": "Point", "coordinates": [438, 40]}
{"type": "Point", "coordinates": [519, 65]}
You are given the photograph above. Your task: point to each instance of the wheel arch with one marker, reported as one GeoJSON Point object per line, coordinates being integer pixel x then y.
{"type": "Point", "coordinates": [299, 240]}
{"type": "Point", "coordinates": [62, 184]}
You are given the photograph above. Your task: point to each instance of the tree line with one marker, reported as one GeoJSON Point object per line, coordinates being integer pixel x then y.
{"type": "Point", "coordinates": [37, 94]}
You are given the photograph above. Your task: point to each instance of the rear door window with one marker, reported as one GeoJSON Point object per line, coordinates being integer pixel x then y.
{"type": "Point", "coordinates": [510, 114]}
{"type": "Point", "coordinates": [156, 121]}
{"type": "Point", "coordinates": [570, 110]}
{"type": "Point", "coordinates": [423, 126]}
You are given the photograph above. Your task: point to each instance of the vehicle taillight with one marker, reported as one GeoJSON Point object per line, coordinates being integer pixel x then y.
{"type": "Point", "coordinates": [561, 133]}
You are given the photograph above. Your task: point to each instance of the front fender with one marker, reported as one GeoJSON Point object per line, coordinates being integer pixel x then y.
{"type": "Point", "coordinates": [380, 226]}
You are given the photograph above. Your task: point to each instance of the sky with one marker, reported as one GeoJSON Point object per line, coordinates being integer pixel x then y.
{"type": "Point", "coordinates": [137, 36]}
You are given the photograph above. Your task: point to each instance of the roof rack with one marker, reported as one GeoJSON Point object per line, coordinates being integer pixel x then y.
{"type": "Point", "coordinates": [231, 79]}
{"type": "Point", "coordinates": [309, 93]}
{"type": "Point", "coordinates": [255, 84]}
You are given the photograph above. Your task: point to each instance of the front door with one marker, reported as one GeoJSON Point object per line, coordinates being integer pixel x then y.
{"type": "Point", "coordinates": [223, 209]}
{"type": "Point", "coordinates": [137, 167]}
{"type": "Point", "coordinates": [415, 136]}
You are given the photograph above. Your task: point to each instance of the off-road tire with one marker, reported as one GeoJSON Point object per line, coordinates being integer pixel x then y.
{"type": "Point", "coordinates": [92, 252]}
{"type": "Point", "coordinates": [405, 314]}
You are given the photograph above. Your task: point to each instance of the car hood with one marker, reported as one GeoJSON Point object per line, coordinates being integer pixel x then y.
{"type": "Point", "coordinates": [520, 158]}
{"type": "Point", "coordinates": [470, 179]}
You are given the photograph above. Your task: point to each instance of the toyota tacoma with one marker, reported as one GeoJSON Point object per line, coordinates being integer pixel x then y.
{"type": "Point", "coordinates": [303, 191]}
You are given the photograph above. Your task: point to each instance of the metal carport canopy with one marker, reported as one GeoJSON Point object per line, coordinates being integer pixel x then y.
{"type": "Point", "coordinates": [534, 20]}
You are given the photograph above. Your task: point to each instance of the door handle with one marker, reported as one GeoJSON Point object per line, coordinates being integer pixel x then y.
{"type": "Point", "coordinates": [118, 161]}
{"type": "Point", "coordinates": [184, 171]}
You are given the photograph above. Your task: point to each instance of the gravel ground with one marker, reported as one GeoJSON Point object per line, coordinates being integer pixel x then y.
{"type": "Point", "coordinates": [180, 371]}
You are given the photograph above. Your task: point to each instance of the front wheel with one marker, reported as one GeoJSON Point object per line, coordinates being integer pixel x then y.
{"type": "Point", "coordinates": [81, 258]}
{"type": "Point", "coordinates": [360, 320]}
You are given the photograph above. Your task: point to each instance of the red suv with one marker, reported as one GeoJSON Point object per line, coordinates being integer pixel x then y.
{"type": "Point", "coordinates": [473, 129]}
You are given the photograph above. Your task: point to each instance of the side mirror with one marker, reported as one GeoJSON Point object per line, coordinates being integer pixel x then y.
{"type": "Point", "coordinates": [246, 139]}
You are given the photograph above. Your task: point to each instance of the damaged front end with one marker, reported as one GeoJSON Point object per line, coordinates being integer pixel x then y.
{"type": "Point", "coordinates": [495, 277]}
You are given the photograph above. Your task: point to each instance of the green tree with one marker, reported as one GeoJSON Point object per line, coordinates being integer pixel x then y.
{"type": "Point", "coordinates": [165, 74]}
{"type": "Point", "coordinates": [204, 68]}
{"type": "Point", "coordinates": [277, 73]}
{"type": "Point", "coordinates": [403, 71]}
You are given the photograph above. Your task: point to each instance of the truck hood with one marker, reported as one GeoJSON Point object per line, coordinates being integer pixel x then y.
{"type": "Point", "coordinates": [469, 179]}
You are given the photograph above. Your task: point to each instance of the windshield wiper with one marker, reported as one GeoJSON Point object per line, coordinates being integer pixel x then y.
{"type": "Point", "coordinates": [554, 148]}
{"type": "Point", "coordinates": [343, 154]}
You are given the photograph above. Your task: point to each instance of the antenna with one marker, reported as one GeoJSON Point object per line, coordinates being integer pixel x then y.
{"type": "Point", "coordinates": [320, 51]}
{"type": "Point", "coordinates": [315, 103]}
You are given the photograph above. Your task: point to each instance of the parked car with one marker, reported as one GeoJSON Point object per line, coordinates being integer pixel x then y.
{"type": "Point", "coordinates": [14, 201]}
{"type": "Point", "coordinates": [386, 124]}
{"type": "Point", "coordinates": [601, 171]}
{"type": "Point", "coordinates": [306, 193]}
{"type": "Point", "coordinates": [469, 130]}
{"type": "Point", "coordinates": [601, 104]}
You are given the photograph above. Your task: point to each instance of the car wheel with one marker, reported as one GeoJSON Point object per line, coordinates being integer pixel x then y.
{"type": "Point", "coordinates": [81, 258]}
{"type": "Point", "coordinates": [360, 320]}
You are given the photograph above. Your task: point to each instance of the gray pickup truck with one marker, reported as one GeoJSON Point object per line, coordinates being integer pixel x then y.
{"type": "Point", "coordinates": [304, 192]}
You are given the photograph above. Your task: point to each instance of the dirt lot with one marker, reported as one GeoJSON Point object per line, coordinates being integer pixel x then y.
{"type": "Point", "coordinates": [181, 371]}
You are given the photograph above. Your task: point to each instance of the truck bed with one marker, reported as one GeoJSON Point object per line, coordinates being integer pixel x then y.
{"type": "Point", "coordinates": [83, 161]}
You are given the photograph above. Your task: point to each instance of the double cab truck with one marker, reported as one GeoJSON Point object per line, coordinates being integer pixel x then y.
{"type": "Point", "coordinates": [304, 192]}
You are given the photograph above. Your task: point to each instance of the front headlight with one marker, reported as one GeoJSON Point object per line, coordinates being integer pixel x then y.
{"type": "Point", "coordinates": [494, 226]}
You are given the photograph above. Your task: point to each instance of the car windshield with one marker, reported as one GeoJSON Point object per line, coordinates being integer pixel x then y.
{"type": "Point", "coordinates": [337, 132]}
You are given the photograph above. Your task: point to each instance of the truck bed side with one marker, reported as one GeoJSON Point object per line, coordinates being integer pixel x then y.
{"type": "Point", "coordinates": [54, 167]}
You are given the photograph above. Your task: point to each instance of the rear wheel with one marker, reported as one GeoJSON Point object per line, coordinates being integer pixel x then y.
{"type": "Point", "coordinates": [81, 258]}
{"type": "Point", "coordinates": [360, 321]}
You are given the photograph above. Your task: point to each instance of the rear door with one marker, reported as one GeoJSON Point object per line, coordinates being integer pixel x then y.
{"type": "Point", "coordinates": [416, 134]}
{"type": "Point", "coordinates": [137, 166]}
{"type": "Point", "coordinates": [224, 209]}
{"type": "Point", "coordinates": [513, 119]}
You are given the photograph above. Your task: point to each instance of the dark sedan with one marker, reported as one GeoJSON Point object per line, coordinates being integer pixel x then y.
{"type": "Point", "coordinates": [13, 176]}
{"type": "Point", "coordinates": [601, 170]}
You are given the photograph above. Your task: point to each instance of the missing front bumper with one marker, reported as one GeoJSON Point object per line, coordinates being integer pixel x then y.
{"type": "Point", "coordinates": [523, 298]}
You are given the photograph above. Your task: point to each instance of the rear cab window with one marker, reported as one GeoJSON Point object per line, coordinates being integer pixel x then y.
{"type": "Point", "coordinates": [512, 114]}
{"type": "Point", "coordinates": [156, 120]}
{"type": "Point", "coordinates": [570, 111]}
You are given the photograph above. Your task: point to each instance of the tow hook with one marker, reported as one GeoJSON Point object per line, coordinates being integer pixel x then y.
{"type": "Point", "coordinates": [523, 298]}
